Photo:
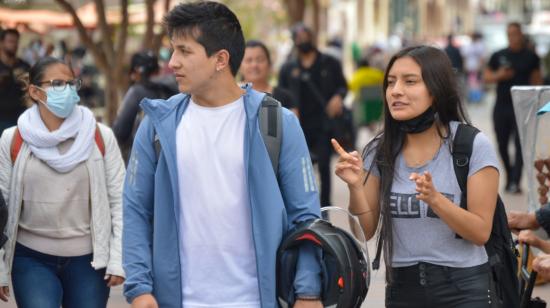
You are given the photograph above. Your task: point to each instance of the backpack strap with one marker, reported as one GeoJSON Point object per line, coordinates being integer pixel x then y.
{"type": "Point", "coordinates": [99, 141]}
{"type": "Point", "coordinates": [463, 144]}
{"type": "Point", "coordinates": [270, 118]}
{"type": "Point", "coordinates": [156, 143]}
{"type": "Point", "coordinates": [16, 143]}
{"type": "Point", "coordinates": [376, 261]}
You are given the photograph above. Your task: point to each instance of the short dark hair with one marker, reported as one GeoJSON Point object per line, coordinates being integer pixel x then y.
{"type": "Point", "coordinates": [36, 73]}
{"type": "Point", "coordinates": [260, 44]}
{"type": "Point", "coordinates": [300, 27]}
{"type": "Point", "coordinates": [7, 32]}
{"type": "Point", "coordinates": [515, 24]}
{"type": "Point", "coordinates": [211, 24]}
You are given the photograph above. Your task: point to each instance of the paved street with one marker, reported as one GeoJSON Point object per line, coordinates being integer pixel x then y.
{"type": "Point", "coordinates": [481, 117]}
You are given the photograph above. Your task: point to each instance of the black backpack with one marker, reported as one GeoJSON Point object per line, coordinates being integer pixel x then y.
{"type": "Point", "coordinates": [500, 247]}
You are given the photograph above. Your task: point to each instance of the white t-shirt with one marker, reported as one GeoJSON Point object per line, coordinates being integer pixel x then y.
{"type": "Point", "coordinates": [218, 260]}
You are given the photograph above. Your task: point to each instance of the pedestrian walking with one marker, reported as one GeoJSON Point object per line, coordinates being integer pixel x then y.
{"type": "Point", "coordinates": [61, 174]}
{"type": "Point", "coordinates": [406, 179]}
{"type": "Point", "coordinates": [256, 69]}
{"type": "Point", "coordinates": [143, 67]}
{"type": "Point", "coordinates": [11, 68]}
{"type": "Point", "coordinates": [513, 66]}
{"type": "Point", "coordinates": [204, 209]}
{"type": "Point", "coordinates": [317, 81]}
{"type": "Point", "coordinates": [474, 54]}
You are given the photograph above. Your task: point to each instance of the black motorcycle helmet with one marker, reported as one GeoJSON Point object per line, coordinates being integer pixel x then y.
{"type": "Point", "coordinates": [345, 271]}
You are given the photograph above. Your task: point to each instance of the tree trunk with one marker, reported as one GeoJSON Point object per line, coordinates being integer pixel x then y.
{"type": "Point", "coordinates": [157, 40]}
{"type": "Point", "coordinates": [108, 58]}
{"type": "Point", "coordinates": [148, 39]}
{"type": "Point", "coordinates": [111, 97]}
{"type": "Point", "coordinates": [295, 10]}
{"type": "Point", "coordinates": [316, 16]}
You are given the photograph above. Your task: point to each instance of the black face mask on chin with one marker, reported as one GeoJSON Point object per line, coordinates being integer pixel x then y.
{"type": "Point", "coordinates": [418, 124]}
{"type": "Point", "coordinates": [305, 47]}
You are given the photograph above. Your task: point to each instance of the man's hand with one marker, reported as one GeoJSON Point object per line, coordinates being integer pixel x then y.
{"type": "Point", "coordinates": [541, 264]}
{"type": "Point", "coordinates": [504, 73]}
{"type": "Point", "coordinates": [4, 293]}
{"type": "Point", "coordinates": [335, 106]}
{"type": "Point", "coordinates": [522, 220]}
{"type": "Point", "coordinates": [308, 304]}
{"type": "Point", "coordinates": [145, 301]}
{"type": "Point", "coordinates": [113, 280]}
{"type": "Point", "coordinates": [530, 238]}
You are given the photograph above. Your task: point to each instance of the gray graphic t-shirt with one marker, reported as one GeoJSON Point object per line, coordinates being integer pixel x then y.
{"type": "Point", "coordinates": [418, 234]}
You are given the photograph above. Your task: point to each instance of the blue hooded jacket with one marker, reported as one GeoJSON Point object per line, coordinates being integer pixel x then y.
{"type": "Point", "coordinates": [151, 257]}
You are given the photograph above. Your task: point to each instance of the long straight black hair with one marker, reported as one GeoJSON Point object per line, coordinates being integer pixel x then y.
{"type": "Point", "coordinates": [440, 80]}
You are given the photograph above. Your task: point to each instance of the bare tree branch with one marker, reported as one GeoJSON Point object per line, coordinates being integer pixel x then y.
{"type": "Point", "coordinates": [106, 41]}
{"type": "Point", "coordinates": [295, 10]}
{"type": "Point", "coordinates": [316, 15]}
{"type": "Point", "coordinates": [158, 37]}
{"type": "Point", "coordinates": [122, 36]}
{"type": "Point", "coordinates": [86, 39]}
{"type": "Point", "coordinates": [149, 24]}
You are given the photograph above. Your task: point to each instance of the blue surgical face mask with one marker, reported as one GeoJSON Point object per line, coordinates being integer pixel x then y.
{"type": "Point", "coordinates": [61, 103]}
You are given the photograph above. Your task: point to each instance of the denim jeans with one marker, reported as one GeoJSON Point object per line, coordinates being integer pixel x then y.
{"type": "Point", "coordinates": [45, 281]}
{"type": "Point", "coordinates": [428, 285]}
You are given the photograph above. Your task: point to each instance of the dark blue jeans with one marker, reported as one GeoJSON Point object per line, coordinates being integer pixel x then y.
{"type": "Point", "coordinates": [45, 281]}
{"type": "Point", "coordinates": [428, 285]}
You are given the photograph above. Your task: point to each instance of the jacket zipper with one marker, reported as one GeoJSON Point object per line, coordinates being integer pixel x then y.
{"type": "Point", "coordinates": [251, 200]}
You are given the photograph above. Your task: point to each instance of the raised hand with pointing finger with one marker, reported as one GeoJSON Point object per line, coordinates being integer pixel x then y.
{"type": "Point", "coordinates": [350, 165]}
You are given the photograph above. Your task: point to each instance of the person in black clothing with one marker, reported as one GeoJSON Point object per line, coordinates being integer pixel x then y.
{"type": "Point", "coordinates": [12, 102]}
{"type": "Point", "coordinates": [317, 81]}
{"type": "Point", "coordinates": [512, 66]}
{"type": "Point", "coordinates": [143, 66]}
{"type": "Point", "coordinates": [457, 62]}
{"type": "Point", "coordinates": [454, 55]}
{"type": "Point", "coordinates": [256, 68]}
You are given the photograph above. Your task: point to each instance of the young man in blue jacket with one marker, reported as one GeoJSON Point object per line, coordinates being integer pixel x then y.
{"type": "Point", "coordinates": [204, 216]}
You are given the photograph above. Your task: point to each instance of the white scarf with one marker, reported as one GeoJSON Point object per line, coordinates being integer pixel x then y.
{"type": "Point", "coordinates": [80, 124]}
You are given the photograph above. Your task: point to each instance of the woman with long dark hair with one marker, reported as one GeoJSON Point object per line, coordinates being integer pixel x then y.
{"type": "Point", "coordinates": [407, 182]}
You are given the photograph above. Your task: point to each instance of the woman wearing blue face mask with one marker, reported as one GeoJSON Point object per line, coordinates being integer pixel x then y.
{"type": "Point", "coordinates": [61, 174]}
